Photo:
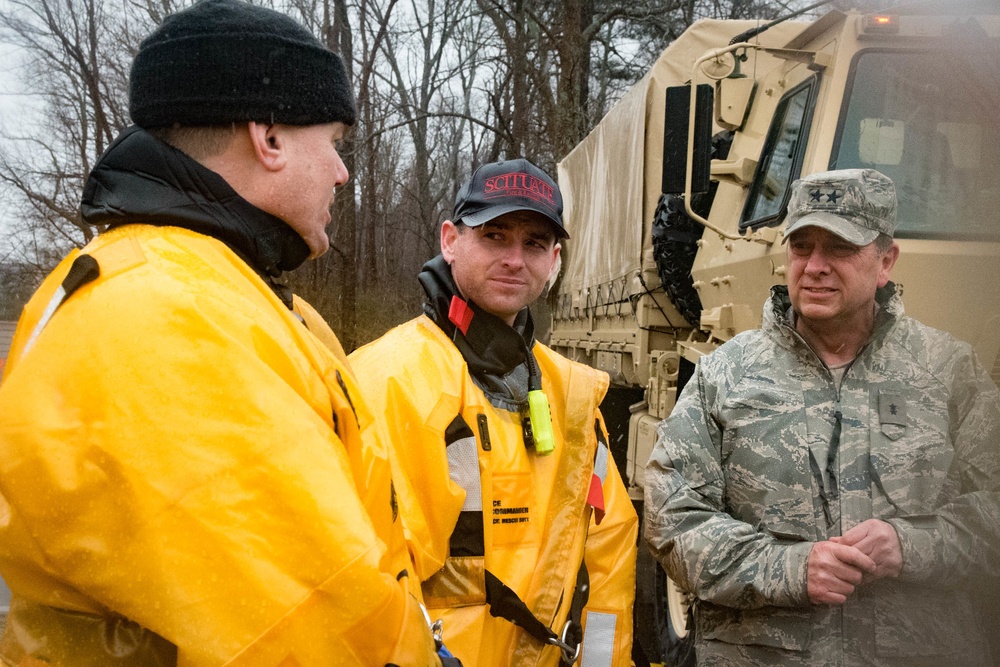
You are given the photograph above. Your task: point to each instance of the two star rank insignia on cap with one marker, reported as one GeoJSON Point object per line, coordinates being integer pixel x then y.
{"type": "Point", "coordinates": [832, 195]}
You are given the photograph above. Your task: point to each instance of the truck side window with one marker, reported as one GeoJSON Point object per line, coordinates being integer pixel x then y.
{"type": "Point", "coordinates": [781, 159]}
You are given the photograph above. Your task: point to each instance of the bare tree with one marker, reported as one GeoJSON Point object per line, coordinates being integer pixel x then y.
{"type": "Point", "coordinates": [330, 283]}
{"type": "Point", "coordinates": [420, 66]}
{"type": "Point", "coordinates": [555, 54]}
{"type": "Point", "coordinates": [78, 54]}
{"type": "Point", "coordinates": [76, 73]}
{"type": "Point", "coordinates": [415, 134]}
{"type": "Point", "coordinates": [442, 86]}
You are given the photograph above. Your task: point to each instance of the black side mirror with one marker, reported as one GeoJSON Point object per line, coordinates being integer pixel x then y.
{"type": "Point", "coordinates": [675, 138]}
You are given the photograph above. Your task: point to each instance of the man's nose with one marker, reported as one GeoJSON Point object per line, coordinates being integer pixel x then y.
{"type": "Point", "coordinates": [818, 261]}
{"type": "Point", "coordinates": [341, 172]}
{"type": "Point", "coordinates": [514, 255]}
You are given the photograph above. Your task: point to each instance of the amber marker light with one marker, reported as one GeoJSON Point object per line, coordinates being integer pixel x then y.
{"type": "Point", "coordinates": [881, 24]}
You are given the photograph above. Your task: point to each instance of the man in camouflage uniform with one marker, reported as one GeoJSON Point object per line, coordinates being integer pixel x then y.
{"type": "Point", "coordinates": [828, 486]}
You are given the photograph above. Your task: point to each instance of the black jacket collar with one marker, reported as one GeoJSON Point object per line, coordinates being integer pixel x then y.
{"type": "Point", "coordinates": [140, 179]}
{"type": "Point", "coordinates": [489, 345]}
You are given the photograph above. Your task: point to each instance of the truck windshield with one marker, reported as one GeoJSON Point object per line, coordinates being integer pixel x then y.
{"type": "Point", "coordinates": [929, 121]}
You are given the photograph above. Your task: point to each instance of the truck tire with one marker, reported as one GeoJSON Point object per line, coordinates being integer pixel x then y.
{"type": "Point", "coordinates": [655, 634]}
{"type": "Point", "coordinates": [675, 244]}
{"type": "Point", "coordinates": [676, 236]}
{"type": "Point", "coordinates": [677, 638]}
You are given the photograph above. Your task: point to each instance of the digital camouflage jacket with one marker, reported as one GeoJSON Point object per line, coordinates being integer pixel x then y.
{"type": "Point", "coordinates": [763, 456]}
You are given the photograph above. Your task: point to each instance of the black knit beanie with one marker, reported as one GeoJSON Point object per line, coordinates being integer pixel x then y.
{"type": "Point", "coordinates": [225, 61]}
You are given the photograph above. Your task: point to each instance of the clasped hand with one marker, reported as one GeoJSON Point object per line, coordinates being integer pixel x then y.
{"type": "Point", "coordinates": [867, 552]}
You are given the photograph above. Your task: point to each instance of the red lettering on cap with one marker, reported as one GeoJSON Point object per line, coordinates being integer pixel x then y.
{"type": "Point", "coordinates": [520, 184]}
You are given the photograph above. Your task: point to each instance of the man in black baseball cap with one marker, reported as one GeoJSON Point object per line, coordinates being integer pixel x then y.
{"type": "Point", "coordinates": [498, 188]}
{"type": "Point", "coordinates": [517, 201]}
{"type": "Point", "coordinates": [501, 444]}
{"type": "Point", "coordinates": [181, 463]}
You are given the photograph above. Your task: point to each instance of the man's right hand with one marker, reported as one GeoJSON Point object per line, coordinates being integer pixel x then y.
{"type": "Point", "coordinates": [877, 539]}
{"type": "Point", "coordinates": [834, 571]}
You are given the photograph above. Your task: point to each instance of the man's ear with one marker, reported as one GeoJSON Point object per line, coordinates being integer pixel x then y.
{"type": "Point", "coordinates": [449, 237]}
{"type": "Point", "coordinates": [268, 143]}
{"type": "Point", "coordinates": [886, 262]}
{"type": "Point", "coordinates": [553, 272]}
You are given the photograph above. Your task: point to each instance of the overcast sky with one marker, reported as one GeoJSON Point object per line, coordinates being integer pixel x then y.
{"type": "Point", "coordinates": [9, 62]}
{"type": "Point", "coordinates": [8, 58]}
{"type": "Point", "coordinates": [8, 107]}
{"type": "Point", "coordinates": [15, 107]}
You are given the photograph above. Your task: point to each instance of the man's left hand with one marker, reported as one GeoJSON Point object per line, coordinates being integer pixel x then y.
{"type": "Point", "coordinates": [877, 539]}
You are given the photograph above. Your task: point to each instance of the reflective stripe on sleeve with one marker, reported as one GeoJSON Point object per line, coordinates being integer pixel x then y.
{"type": "Point", "coordinates": [463, 468]}
{"type": "Point", "coordinates": [601, 462]}
{"type": "Point", "coordinates": [50, 310]}
{"type": "Point", "coordinates": [595, 496]}
{"type": "Point", "coordinates": [599, 639]}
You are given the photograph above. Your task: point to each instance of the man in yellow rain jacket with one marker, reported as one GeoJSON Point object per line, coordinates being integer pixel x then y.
{"type": "Point", "coordinates": [521, 529]}
{"type": "Point", "coordinates": [182, 474]}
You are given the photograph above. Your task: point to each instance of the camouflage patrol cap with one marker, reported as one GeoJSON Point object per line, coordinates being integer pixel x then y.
{"type": "Point", "coordinates": [855, 204]}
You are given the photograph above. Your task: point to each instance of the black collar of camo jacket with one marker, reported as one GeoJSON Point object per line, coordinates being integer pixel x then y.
{"type": "Point", "coordinates": [489, 345]}
{"type": "Point", "coordinates": [140, 179]}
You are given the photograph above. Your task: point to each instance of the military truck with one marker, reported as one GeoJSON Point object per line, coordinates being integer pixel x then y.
{"type": "Point", "coordinates": [675, 202]}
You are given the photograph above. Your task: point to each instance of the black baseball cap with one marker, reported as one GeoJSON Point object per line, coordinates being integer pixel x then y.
{"type": "Point", "coordinates": [499, 188]}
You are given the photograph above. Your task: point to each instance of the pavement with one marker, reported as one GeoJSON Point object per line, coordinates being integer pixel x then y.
{"type": "Point", "coordinates": [4, 603]}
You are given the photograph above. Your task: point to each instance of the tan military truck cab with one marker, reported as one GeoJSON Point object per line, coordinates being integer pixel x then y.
{"type": "Point", "coordinates": [675, 200]}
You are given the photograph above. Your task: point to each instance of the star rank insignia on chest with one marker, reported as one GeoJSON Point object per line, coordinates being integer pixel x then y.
{"type": "Point", "coordinates": [892, 409]}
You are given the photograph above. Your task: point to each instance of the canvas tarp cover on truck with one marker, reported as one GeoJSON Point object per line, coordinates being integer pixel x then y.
{"type": "Point", "coordinates": [611, 180]}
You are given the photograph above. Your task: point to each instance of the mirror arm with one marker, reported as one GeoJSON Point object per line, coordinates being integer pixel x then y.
{"type": "Point", "coordinates": [689, 161]}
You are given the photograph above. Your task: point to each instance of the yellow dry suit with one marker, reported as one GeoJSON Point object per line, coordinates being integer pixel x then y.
{"type": "Point", "coordinates": [491, 523]}
{"type": "Point", "coordinates": [182, 475]}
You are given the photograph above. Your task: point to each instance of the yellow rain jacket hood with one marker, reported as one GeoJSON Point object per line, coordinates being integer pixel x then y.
{"type": "Point", "coordinates": [182, 475]}
{"type": "Point", "coordinates": [485, 515]}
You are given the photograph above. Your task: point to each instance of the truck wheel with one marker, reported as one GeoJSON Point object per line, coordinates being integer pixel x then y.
{"type": "Point", "coordinates": [675, 239]}
{"type": "Point", "coordinates": [647, 634]}
{"type": "Point", "coordinates": [676, 623]}
{"type": "Point", "coordinates": [675, 244]}
{"type": "Point", "coordinates": [662, 641]}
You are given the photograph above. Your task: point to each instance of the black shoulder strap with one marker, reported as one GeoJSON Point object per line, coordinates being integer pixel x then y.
{"type": "Point", "coordinates": [83, 271]}
{"type": "Point", "coordinates": [505, 603]}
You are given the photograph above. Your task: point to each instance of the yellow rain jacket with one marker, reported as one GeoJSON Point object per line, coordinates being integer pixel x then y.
{"type": "Point", "coordinates": [182, 477]}
{"type": "Point", "coordinates": [476, 499]}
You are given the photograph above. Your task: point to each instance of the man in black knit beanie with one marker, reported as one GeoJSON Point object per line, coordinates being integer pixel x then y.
{"type": "Point", "coordinates": [182, 474]}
